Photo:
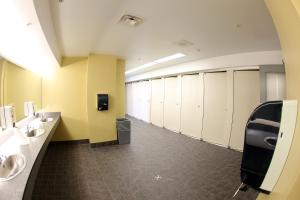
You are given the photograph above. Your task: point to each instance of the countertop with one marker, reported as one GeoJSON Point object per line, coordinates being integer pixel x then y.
{"type": "Point", "coordinates": [12, 142]}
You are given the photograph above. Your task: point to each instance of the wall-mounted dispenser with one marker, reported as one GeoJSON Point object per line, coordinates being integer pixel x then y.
{"type": "Point", "coordinates": [29, 109]}
{"type": "Point", "coordinates": [2, 117]}
{"type": "Point", "coordinates": [102, 100]}
{"type": "Point", "coordinates": [7, 116]}
{"type": "Point", "coordinates": [268, 137]}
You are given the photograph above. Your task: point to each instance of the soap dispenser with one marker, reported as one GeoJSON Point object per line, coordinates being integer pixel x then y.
{"type": "Point", "coordinates": [2, 118]}
{"type": "Point", "coordinates": [10, 117]}
{"type": "Point", "coordinates": [29, 109]}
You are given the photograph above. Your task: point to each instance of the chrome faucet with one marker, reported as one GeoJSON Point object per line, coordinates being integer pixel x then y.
{"type": "Point", "coordinates": [2, 159]}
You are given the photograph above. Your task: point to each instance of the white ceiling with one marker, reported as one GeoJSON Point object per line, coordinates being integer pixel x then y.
{"type": "Point", "coordinates": [214, 27]}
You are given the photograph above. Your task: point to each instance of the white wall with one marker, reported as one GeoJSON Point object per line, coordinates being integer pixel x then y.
{"type": "Point", "coordinates": [138, 96]}
{"type": "Point", "coordinates": [43, 11]}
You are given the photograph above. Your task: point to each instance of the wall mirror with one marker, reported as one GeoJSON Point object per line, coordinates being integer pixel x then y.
{"type": "Point", "coordinates": [19, 85]}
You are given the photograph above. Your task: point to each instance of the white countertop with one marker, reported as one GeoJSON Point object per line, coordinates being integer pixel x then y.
{"type": "Point", "coordinates": [13, 141]}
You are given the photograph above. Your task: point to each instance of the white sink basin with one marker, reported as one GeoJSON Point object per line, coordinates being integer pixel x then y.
{"type": "Point", "coordinates": [49, 119]}
{"type": "Point", "coordinates": [35, 133]}
{"type": "Point", "coordinates": [11, 166]}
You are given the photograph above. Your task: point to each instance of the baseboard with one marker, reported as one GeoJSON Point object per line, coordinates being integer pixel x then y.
{"type": "Point", "coordinates": [84, 141]}
{"type": "Point", "coordinates": [101, 144]}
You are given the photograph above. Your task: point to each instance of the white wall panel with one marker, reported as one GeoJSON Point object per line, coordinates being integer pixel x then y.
{"type": "Point", "coordinates": [275, 84]}
{"type": "Point", "coordinates": [129, 103]}
{"type": "Point", "coordinates": [215, 105]}
{"type": "Point", "coordinates": [172, 103]}
{"type": "Point", "coordinates": [126, 98]}
{"type": "Point", "coordinates": [192, 105]}
{"type": "Point", "coordinates": [157, 102]}
{"type": "Point", "coordinates": [246, 99]}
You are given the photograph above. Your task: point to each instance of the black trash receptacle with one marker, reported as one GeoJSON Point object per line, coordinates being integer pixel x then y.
{"type": "Point", "coordinates": [123, 130]}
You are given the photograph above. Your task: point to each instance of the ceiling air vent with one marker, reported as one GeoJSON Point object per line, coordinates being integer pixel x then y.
{"type": "Point", "coordinates": [130, 20]}
{"type": "Point", "coordinates": [183, 43]}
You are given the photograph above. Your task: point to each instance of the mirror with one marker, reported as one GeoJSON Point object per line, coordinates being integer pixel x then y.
{"type": "Point", "coordinates": [19, 85]}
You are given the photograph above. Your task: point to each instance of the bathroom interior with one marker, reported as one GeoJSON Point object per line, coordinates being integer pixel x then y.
{"type": "Point", "coordinates": [154, 100]}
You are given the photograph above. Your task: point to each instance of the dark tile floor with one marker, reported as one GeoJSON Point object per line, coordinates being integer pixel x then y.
{"type": "Point", "coordinates": [157, 165]}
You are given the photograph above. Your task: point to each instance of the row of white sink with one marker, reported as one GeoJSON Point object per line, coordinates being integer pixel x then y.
{"type": "Point", "coordinates": [12, 162]}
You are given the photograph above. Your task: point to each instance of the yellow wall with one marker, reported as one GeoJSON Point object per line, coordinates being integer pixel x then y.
{"type": "Point", "coordinates": [20, 85]}
{"type": "Point", "coordinates": [102, 71]}
{"type": "Point", "coordinates": [286, 16]}
{"type": "Point", "coordinates": [120, 88]}
{"type": "Point", "coordinates": [72, 90]}
{"type": "Point", "coordinates": [65, 91]}
{"type": "Point", "coordinates": [1, 82]}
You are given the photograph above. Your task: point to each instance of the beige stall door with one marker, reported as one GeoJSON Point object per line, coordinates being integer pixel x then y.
{"type": "Point", "coordinates": [157, 104]}
{"type": "Point", "coordinates": [172, 104]}
{"type": "Point", "coordinates": [215, 102]}
{"type": "Point", "coordinates": [246, 98]}
{"type": "Point", "coordinates": [192, 105]}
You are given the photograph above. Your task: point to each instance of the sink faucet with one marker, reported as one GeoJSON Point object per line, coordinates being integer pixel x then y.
{"type": "Point", "coordinates": [2, 159]}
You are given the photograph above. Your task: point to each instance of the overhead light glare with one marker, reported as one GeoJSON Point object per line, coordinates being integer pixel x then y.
{"type": "Point", "coordinates": [158, 61]}
{"type": "Point", "coordinates": [168, 58]}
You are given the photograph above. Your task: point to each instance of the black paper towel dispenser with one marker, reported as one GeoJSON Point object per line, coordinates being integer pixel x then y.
{"type": "Point", "coordinates": [260, 140]}
{"type": "Point", "coordinates": [268, 137]}
{"type": "Point", "coordinates": [102, 102]}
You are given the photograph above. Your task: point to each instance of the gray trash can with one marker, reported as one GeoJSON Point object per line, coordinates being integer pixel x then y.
{"type": "Point", "coordinates": [123, 130]}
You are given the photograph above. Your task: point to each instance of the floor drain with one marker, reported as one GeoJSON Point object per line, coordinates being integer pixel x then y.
{"type": "Point", "coordinates": [157, 177]}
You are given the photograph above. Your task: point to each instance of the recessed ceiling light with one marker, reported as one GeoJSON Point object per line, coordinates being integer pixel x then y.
{"type": "Point", "coordinates": [155, 62]}
{"type": "Point", "coordinates": [130, 20]}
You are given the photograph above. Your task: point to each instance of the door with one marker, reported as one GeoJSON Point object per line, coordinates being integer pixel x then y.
{"type": "Point", "coordinates": [146, 101]}
{"type": "Point", "coordinates": [145, 94]}
{"type": "Point", "coordinates": [157, 102]}
{"type": "Point", "coordinates": [139, 100]}
{"type": "Point", "coordinates": [215, 103]}
{"type": "Point", "coordinates": [192, 105]}
{"type": "Point", "coordinates": [246, 98]}
{"type": "Point", "coordinates": [172, 104]}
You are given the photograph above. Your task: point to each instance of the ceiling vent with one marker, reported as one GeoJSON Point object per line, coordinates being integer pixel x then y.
{"type": "Point", "coordinates": [183, 43]}
{"type": "Point", "coordinates": [130, 20]}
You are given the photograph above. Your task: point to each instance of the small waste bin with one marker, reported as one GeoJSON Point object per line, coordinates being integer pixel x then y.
{"type": "Point", "coordinates": [123, 130]}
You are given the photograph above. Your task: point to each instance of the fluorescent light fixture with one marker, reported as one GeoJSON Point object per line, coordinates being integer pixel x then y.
{"type": "Point", "coordinates": [168, 58]}
{"type": "Point", "coordinates": [158, 61]}
{"type": "Point", "coordinates": [22, 40]}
